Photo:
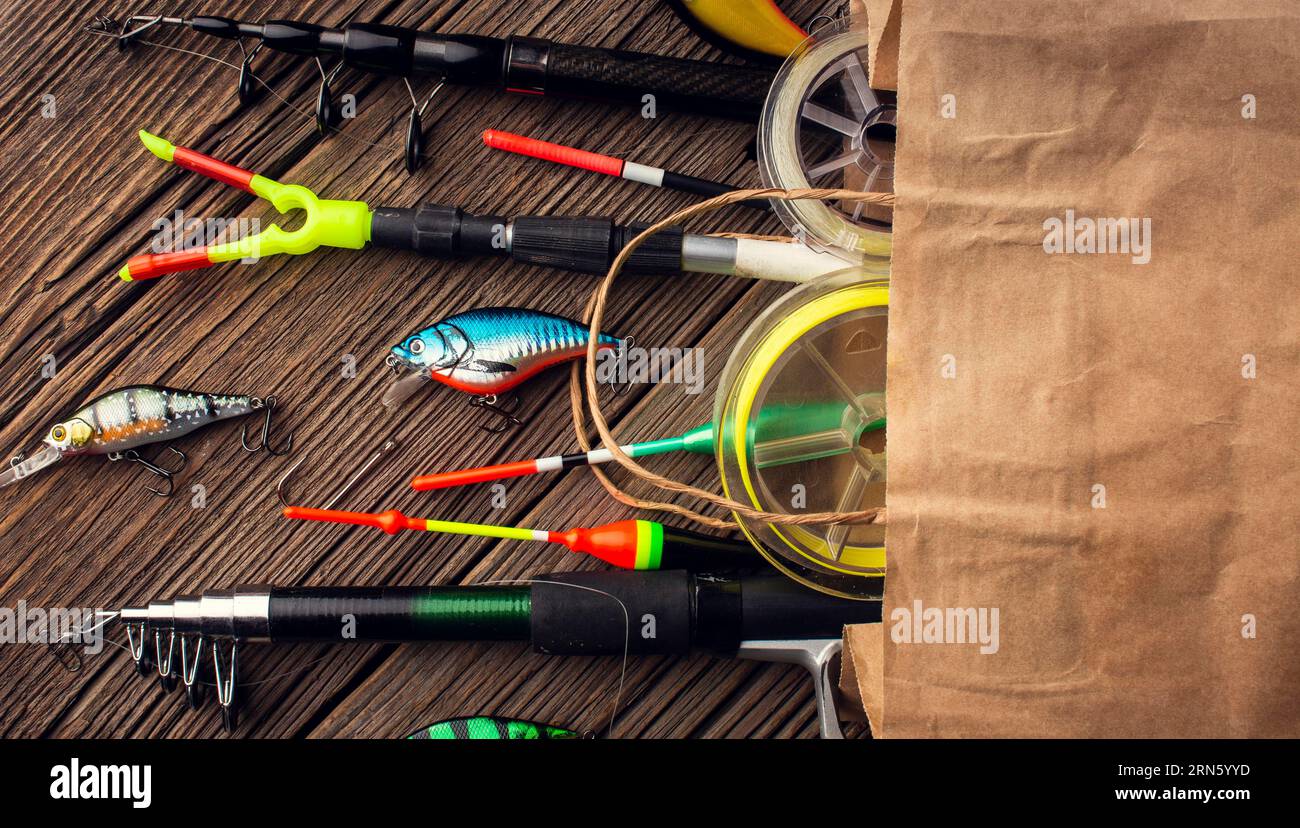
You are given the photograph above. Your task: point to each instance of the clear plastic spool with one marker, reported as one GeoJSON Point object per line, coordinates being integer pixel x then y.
{"type": "Point", "coordinates": [823, 126]}
{"type": "Point", "coordinates": [801, 408]}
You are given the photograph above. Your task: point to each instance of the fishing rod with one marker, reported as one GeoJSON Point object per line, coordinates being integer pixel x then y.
{"type": "Point", "coordinates": [627, 544]}
{"type": "Point", "coordinates": [528, 65]}
{"type": "Point", "coordinates": [583, 244]}
{"type": "Point", "coordinates": [778, 435]}
{"type": "Point", "coordinates": [609, 165]}
{"type": "Point", "coordinates": [760, 617]}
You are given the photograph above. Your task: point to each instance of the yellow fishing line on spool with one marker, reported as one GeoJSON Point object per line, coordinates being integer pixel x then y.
{"type": "Point", "coordinates": [788, 322]}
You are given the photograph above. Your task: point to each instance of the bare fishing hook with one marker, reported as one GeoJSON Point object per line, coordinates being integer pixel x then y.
{"type": "Point", "coordinates": [387, 446]}
{"type": "Point", "coordinates": [124, 33]}
{"type": "Point", "coordinates": [269, 406]}
{"type": "Point", "coordinates": [66, 654]}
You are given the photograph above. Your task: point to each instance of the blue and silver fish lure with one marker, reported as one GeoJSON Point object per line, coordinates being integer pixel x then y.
{"type": "Point", "coordinates": [487, 351]}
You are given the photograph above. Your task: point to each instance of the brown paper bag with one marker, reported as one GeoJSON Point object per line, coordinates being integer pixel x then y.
{"type": "Point", "coordinates": [1100, 447]}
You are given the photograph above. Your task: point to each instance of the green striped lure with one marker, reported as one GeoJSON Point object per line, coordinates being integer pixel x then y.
{"type": "Point", "coordinates": [491, 727]}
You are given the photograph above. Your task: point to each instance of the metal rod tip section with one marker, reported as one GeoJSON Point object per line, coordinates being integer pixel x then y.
{"type": "Point", "coordinates": [133, 615]}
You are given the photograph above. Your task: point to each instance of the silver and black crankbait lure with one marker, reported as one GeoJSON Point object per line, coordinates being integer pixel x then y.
{"type": "Point", "coordinates": [118, 423]}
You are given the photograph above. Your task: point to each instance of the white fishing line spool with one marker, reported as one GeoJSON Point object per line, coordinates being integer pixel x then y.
{"type": "Point", "coordinates": [824, 126]}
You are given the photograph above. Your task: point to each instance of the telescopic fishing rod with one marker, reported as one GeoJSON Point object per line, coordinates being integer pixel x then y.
{"type": "Point", "coordinates": [583, 244]}
{"type": "Point", "coordinates": [529, 65]}
{"type": "Point", "coordinates": [762, 617]}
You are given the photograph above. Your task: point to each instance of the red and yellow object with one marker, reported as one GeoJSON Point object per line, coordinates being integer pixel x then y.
{"type": "Point", "coordinates": [628, 544]}
{"type": "Point", "coordinates": [327, 222]}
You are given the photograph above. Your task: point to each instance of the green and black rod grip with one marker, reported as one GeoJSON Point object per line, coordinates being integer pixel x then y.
{"type": "Point", "coordinates": [579, 613]}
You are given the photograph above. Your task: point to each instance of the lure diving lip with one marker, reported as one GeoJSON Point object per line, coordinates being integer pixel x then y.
{"type": "Point", "coordinates": [487, 351]}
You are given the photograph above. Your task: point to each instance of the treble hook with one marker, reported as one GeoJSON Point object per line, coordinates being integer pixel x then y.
{"type": "Point", "coordinates": [269, 405]}
{"type": "Point", "coordinates": [505, 412]}
{"type": "Point", "coordinates": [133, 456]}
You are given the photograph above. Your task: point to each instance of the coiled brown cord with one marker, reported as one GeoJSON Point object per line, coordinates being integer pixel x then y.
{"type": "Point", "coordinates": [594, 315]}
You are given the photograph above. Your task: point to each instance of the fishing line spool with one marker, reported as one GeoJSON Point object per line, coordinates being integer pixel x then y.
{"type": "Point", "coordinates": [812, 504]}
{"type": "Point", "coordinates": [823, 343]}
{"type": "Point", "coordinates": [824, 126]}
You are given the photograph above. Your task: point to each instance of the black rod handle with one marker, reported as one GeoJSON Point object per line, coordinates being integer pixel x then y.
{"type": "Point", "coordinates": [582, 244]}
{"type": "Point", "coordinates": [673, 612]}
{"type": "Point", "coordinates": [623, 77]}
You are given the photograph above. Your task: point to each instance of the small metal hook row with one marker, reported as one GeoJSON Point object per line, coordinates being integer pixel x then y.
{"type": "Point", "coordinates": [191, 649]}
{"type": "Point", "coordinates": [267, 405]}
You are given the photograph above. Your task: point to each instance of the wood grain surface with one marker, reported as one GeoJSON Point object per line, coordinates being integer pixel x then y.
{"type": "Point", "coordinates": [81, 195]}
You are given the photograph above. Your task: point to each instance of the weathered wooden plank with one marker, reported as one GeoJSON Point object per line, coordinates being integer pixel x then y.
{"type": "Point", "coordinates": [83, 196]}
